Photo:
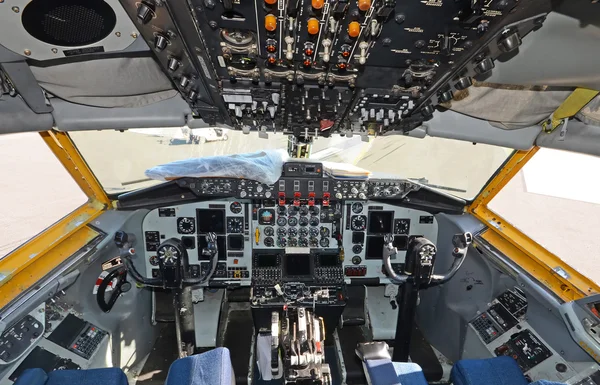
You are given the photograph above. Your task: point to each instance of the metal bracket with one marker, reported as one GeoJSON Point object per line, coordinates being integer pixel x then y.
{"type": "Point", "coordinates": [24, 82]}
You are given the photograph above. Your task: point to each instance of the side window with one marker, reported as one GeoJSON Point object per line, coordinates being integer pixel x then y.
{"type": "Point", "coordinates": [555, 200]}
{"type": "Point", "coordinates": [36, 189]}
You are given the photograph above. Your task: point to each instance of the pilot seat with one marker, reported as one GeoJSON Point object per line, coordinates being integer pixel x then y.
{"type": "Point", "coordinates": [209, 368]}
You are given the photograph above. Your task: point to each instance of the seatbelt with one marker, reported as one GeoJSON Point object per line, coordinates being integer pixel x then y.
{"type": "Point", "coordinates": [571, 106]}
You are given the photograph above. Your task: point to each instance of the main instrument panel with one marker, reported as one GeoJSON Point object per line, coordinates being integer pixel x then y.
{"type": "Point", "coordinates": [313, 67]}
{"type": "Point", "coordinates": [305, 235]}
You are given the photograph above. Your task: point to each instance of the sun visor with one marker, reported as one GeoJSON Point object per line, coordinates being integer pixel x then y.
{"type": "Point", "coordinates": [114, 82]}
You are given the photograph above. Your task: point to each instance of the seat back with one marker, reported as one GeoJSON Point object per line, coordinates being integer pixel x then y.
{"type": "Point", "coordinates": [102, 376]}
{"type": "Point", "coordinates": [209, 368]}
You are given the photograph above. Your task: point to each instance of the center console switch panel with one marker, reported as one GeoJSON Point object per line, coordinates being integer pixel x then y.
{"type": "Point", "coordinates": [16, 340]}
{"type": "Point", "coordinates": [78, 336]}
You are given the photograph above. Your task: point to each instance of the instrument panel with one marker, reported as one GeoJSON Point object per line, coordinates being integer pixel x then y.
{"type": "Point", "coordinates": [264, 242]}
{"type": "Point", "coordinates": [311, 68]}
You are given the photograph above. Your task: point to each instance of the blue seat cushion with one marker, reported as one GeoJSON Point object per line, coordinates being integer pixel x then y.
{"type": "Point", "coordinates": [502, 370]}
{"type": "Point", "coordinates": [35, 376]}
{"type": "Point", "coordinates": [104, 376]}
{"type": "Point", "coordinates": [209, 368]}
{"type": "Point", "coordinates": [386, 372]}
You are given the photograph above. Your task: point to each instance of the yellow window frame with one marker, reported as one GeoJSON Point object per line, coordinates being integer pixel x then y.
{"type": "Point", "coordinates": [530, 255]}
{"type": "Point", "coordinates": [29, 263]}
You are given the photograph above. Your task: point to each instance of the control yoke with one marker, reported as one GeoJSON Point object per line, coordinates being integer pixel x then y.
{"type": "Point", "coordinates": [420, 259]}
{"type": "Point", "coordinates": [172, 263]}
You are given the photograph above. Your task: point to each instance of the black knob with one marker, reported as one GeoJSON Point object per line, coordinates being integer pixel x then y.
{"type": "Point", "coordinates": [509, 42]}
{"type": "Point", "coordinates": [445, 96]}
{"type": "Point", "coordinates": [184, 81]}
{"type": "Point", "coordinates": [428, 110]}
{"type": "Point", "coordinates": [160, 42]}
{"type": "Point", "coordinates": [173, 64]}
{"type": "Point", "coordinates": [463, 83]}
{"type": "Point", "coordinates": [145, 13]}
{"type": "Point", "coordinates": [484, 66]}
{"type": "Point", "coordinates": [192, 95]}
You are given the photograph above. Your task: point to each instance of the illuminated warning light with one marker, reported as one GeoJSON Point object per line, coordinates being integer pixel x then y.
{"type": "Point", "coordinates": [345, 53]}
{"type": "Point", "coordinates": [271, 48]}
{"type": "Point", "coordinates": [309, 52]}
{"type": "Point", "coordinates": [271, 59]}
{"type": "Point", "coordinates": [313, 26]}
{"type": "Point", "coordinates": [307, 63]}
{"type": "Point", "coordinates": [342, 66]}
{"type": "Point", "coordinates": [354, 29]}
{"type": "Point", "coordinates": [270, 23]}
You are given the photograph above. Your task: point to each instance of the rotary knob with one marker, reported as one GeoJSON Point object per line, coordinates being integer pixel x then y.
{"type": "Point", "coordinates": [243, 194]}
{"type": "Point", "coordinates": [160, 42]}
{"type": "Point", "coordinates": [362, 196]}
{"type": "Point", "coordinates": [387, 192]}
{"type": "Point", "coordinates": [338, 195]}
{"type": "Point", "coordinates": [354, 190]}
{"type": "Point", "coordinates": [145, 13]}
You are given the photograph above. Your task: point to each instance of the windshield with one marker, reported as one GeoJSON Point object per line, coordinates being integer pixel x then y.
{"type": "Point", "coordinates": [119, 159]}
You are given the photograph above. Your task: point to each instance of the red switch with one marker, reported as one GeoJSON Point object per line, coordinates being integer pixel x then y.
{"type": "Point", "coordinates": [297, 199]}
{"type": "Point", "coordinates": [326, 196]}
{"type": "Point", "coordinates": [281, 199]}
{"type": "Point", "coordinates": [311, 198]}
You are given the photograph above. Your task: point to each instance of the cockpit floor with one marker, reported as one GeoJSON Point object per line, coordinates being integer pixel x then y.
{"type": "Point", "coordinates": [164, 352]}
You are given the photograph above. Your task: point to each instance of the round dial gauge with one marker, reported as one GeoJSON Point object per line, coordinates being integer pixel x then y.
{"type": "Point", "coordinates": [154, 260]}
{"type": "Point", "coordinates": [235, 207]}
{"type": "Point", "coordinates": [324, 232]}
{"type": "Point", "coordinates": [324, 242]}
{"type": "Point", "coordinates": [401, 226]}
{"type": "Point", "coordinates": [281, 232]}
{"type": "Point", "coordinates": [186, 225]}
{"type": "Point", "coordinates": [292, 232]}
{"type": "Point", "coordinates": [281, 221]}
{"type": "Point", "coordinates": [169, 254]}
{"type": "Point", "coordinates": [357, 249]}
{"type": "Point", "coordinates": [302, 242]}
{"type": "Point", "coordinates": [235, 225]}
{"type": "Point", "coordinates": [313, 231]}
{"type": "Point", "coordinates": [269, 231]}
{"type": "Point", "coordinates": [303, 232]}
{"type": "Point", "coordinates": [293, 210]}
{"type": "Point", "coordinates": [303, 221]}
{"type": "Point", "coordinates": [358, 223]}
{"type": "Point", "coordinates": [303, 210]}
{"type": "Point", "coordinates": [281, 242]}
{"type": "Point", "coordinates": [236, 36]}
{"type": "Point", "coordinates": [282, 210]}
{"type": "Point", "coordinates": [314, 210]}
{"type": "Point", "coordinates": [313, 242]}
{"type": "Point", "coordinates": [356, 260]}
{"type": "Point", "coordinates": [292, 242]}
{"type": "Point", "coordinates": [269, 242]}
{"type": "Point", "coordinates": [293, 221]}
{"type": "Point", "coordinates": [357, 207]}
{"type": "Point", "coordinates": [314, 221]}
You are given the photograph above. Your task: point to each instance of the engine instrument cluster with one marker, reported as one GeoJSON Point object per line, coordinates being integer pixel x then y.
{"type": "Point", "coordinates": [310, 68]}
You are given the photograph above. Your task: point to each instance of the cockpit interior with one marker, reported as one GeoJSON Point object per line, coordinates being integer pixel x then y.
{"type": "Point", "coordinates": [293, 191]}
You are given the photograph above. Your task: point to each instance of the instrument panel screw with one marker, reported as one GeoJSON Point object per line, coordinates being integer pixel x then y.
{"type": "Point", "coordinates": [27, 52]}
{"type": "Point", "coordinates": [54, 50]}
{"type": "Point", "coordinates": [134, 35]}
{"type": "Point", "coordinates": [15, 9]}
{"type": "Point", "coordinates": [118, 34]}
